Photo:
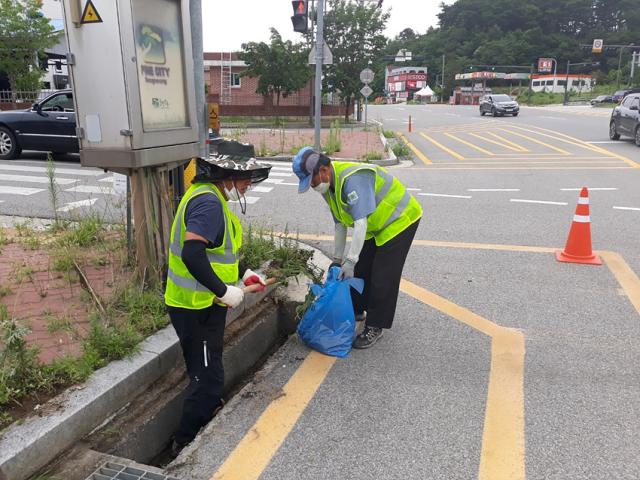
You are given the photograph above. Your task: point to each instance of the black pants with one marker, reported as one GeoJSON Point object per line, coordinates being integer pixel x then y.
{"type": "Point", "coordinates": [201, 334]}
{"type": "Point", "coordinates": [381, 269]}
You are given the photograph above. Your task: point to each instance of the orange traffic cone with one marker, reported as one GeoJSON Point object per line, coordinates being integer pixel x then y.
{"type": "Point", "coordinates": [410, 126]}
{"type": "Point", "coordinates": [578, 247]}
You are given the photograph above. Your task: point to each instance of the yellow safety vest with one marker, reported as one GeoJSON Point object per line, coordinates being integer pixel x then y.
{"type": "Point", "coordinates": [396, 209]}
{"type": "Point", "coordinates": [182, 289]}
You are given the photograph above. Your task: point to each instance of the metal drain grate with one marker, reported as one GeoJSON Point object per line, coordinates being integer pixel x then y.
{"type": "Point", "coordinates": [111, 471]}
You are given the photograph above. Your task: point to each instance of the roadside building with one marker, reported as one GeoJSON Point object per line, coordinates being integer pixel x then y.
{"type": "Point", "coordinates": [403, 82]}
{"type": "Point", "coordinates": [469, 95]}
{"type": "Point", "coordinates": [556, 84]}
{"type": "Point", "coordinates": [237, 95]}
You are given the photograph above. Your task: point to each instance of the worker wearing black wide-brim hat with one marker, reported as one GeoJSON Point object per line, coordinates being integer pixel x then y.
{"type": "Point", "coordinates": [203, 271]}
{"type": "Point", "coordinates": [384, 218]}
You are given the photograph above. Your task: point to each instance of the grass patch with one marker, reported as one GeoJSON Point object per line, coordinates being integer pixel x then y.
{"type": "Point", "coordinates": [388, 133]}
{"type": "Point", "coordinates": [61, 324]}
{"type": "Point", "coordinates": [400, 149]}
{"type": "Point", "coordinates": [31, 242]}
{"type": "Point", "coordinates": [334, 142]}
{"type": "Point", "coordinates": [4, 240]}
{"type": "Point", "coordinates": [89, 232]}
{"type": "Point", "coordinates": [5, 291]}
{"type": "Point", "coordinates": [372, 156]}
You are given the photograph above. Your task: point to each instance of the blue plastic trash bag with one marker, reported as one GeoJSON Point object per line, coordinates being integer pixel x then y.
{"type": "Point", "coordinates": [329, 325]}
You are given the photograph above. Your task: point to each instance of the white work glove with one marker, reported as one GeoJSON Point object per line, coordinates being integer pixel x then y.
{"type": "Point", "coordinates": [251, 278]}
{"type": "Point", "coordinates": [346, 271]}
{"type": "Point", "coordinates": [233, 297]}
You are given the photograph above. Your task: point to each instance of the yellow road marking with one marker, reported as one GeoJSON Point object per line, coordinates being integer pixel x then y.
{"type": "Point", "coordinates": [435, 167]}
{"type": "Point", "coordinates": [255, 450]}
{"type": "Point", "coordinates": [442, 147]}
{"type": "Point", "coordinates": [626, 277]}
{"type": "Point", "coordinates": [415, 150]}
{"type": "Point", "coordinates": [594, 148]}
{"type": "Point", "coordinates": [471, 145]}
{"type": "Point", "coordinates": [539, 142]}
{"type": "Point", "coordinates": [502, 139]}
{"type": "Point", "coordinates": [533, 161]}
{"type": "Point", "coordinates": [503, 145]}
{"type": "Point", "coordinates": [503, 447]}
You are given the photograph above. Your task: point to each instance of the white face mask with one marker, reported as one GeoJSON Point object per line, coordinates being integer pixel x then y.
{"type": "Point", "coordinates": [232, 194]}
{"type": "Point", "coordinates": [322, 187]}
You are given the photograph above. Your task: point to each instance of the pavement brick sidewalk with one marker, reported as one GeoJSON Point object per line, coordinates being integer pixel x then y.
{"type": "Point", "coordinates": [355, 144]}
{"type": "Point", "coordinates": [53, 304]}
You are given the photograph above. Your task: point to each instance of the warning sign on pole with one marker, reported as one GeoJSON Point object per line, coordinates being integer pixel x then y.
{"type": "Point", "coordinates": [90, 14]}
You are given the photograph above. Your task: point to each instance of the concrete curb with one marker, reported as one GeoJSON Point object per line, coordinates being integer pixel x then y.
{"type": "Point", "coordinates": [27, 447]}
{"type": "Point", "coordinates": [392, 160]}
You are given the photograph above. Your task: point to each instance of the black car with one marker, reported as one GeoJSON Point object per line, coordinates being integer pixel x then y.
{"type": "Point", "coordinates": [499, 105]}
{"type": "Point", "coordinates": [625, 119]}
{"type": "Point", "coordinates": [49, 126]}
{"type": "Point", "coordinates": [602, 99]}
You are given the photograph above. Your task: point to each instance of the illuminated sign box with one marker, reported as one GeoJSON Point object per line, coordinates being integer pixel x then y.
{"type": "Point", "coordinates": [131, 67]}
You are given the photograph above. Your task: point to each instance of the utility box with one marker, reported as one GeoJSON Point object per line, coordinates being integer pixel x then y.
{"type": "Point", "coordinates": [131, 69]}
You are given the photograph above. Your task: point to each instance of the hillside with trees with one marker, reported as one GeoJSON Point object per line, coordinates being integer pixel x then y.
{"type": "Point", "coordinates": [518, 32]}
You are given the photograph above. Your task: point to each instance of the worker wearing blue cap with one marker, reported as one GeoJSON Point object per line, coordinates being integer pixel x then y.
{"type": "Point", "coordinates": [384, 218]}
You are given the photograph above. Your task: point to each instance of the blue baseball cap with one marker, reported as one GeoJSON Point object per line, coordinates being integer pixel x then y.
{"type": "Point", "coordinates": [305, 165]}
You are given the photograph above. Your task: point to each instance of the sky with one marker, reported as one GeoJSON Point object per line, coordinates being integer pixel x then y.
{"type": "Point", "coordinates": [229, 24]}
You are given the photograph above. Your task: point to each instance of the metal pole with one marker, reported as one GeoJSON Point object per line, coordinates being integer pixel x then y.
{"type": "Point", "coordinates": [442, 79]}
{"type": "Point", "coordinates": [530, 84]}
{"type": "Point", "coordinates": [129, 222]}
{"type": "Point", "coordinates": [195, 12]}
{"type": "Point", "coordinates": [633, 68]}
{"type": "Point", "coordinates": [619, 66]}
{"type": "Point", "coordinates": [566, 85]}
{"type": "Point", "coordinates": [366, 104]}
{"type": "Point", "coordinates": [318, 85]}
{"type": "Point", "coordinates": [555, 71]}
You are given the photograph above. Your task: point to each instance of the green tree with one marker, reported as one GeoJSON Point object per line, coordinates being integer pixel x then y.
{"type": "Point", "coordinates": [281, 66]}
{"type": "Point", "coordinates": [354, 33]}
{"type": "Point", "coordinates": [24, 35]}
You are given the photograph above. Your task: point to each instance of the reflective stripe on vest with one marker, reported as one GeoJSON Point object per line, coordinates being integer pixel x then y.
{"type": "Point", "coordinates": [182, 289]}
{"type": "Point", "coordinates": [399, 205]}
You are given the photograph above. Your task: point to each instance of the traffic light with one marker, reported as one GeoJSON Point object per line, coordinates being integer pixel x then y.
{"type": "Point", "coordinates": [300, 16]}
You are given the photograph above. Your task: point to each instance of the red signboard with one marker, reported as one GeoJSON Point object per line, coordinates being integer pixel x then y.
{"type": "Point", "coordinates": [545, 65]}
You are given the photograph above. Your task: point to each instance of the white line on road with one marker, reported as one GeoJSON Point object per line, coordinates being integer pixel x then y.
{"type": "Point", "coordinates": [443, 195]}
{"type": "Point", "coordinates": [19, 190]}
{"type": "Point", "coordinates": [80, 203]}
{"type": "Point", "coordinates": [280, 174]}
{"type": "Point", "coordinates": [543, 202]}
{"type": "Point", "coordinates": [603, 189]}
{"type": "Point", "coordinates": [250, 200]}
{"type": "Point", "coordinates": [64, 171]}
{"type": "Point", "coordinates": [273, 180]}
{"type": "Point", "coordinates": [92, 189]}
{"type": "Point", "coordinates": [283, 169]}
{"type": "Point", "coordinates": [413, 189]}
{"type": "Point", "coordinates": [261, 189]}
{"type": "Point", "coordinates": [31, 179]}
{"type": "Point", "coordinates": [627, 208]}
{"type": "Point", "coordinates": [107, 179]}
{"type": "Point", "coordinates": [607, 141]}
{"type": "Point", "coordinates": [290, 184]}
{"type": "Point", "coordinates": [493, 189]}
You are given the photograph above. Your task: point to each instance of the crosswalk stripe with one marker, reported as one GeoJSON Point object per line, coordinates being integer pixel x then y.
{"type": "Point", "coordinates": [92, 189]}
{"type": "Point", "coordinates": [250, 200]}
{"type": "Point", "coordinates": [261, 189]}
{"type": "Point", "coordinates": [19, 190]}
{"type": "Point", "coordinates": [65, 171]}
{"type": "Point", "coordinates": [280, 174]}
{"type": "Point", "coordinates": [31, 179]}
{"type": "Point", "coordinates": [273, 180]}
{"type": "Point", "coordinates": [81, 203]}
{"type": "Point", "coordinates": [284, 169]}
{"type": "Point", "coordinates": [107, 179]}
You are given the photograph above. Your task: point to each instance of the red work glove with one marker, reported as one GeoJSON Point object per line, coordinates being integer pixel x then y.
{"type": "Point", "coordinates": [251, 278]}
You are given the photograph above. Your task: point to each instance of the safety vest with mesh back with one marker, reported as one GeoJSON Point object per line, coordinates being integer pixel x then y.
{"type": "Point", "coordinates": [182, 289]}
{"type": "Point", "coordinates": [396, 209]}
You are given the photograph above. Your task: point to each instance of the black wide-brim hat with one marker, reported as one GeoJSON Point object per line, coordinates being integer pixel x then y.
{"type": "Point", "coordinates": [229, 167]}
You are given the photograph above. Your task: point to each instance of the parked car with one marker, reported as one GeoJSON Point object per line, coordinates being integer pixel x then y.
{"type": "Point", "coordinates": [49, 126]}
{"type": "Point", "coordinates": [499, 104]}
{"type": "Point", "coordinates": [625, 119]}
{"type": "Point", "coordinates": [619, 95]}
{"type": "Point", "coordinates": [602, 99]}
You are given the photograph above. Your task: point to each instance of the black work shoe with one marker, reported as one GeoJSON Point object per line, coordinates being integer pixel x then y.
{"type": "Point", "coordinates": [368, 337]}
